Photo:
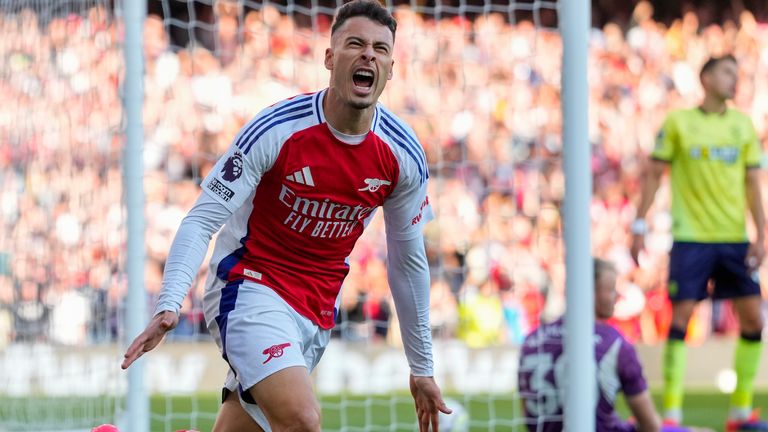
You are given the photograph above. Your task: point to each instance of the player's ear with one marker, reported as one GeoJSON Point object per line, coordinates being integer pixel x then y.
{"type": "Point", "coordinates": [328, 59]}
{"type": "Point", "coordinates": [705, 80]}
{"type": "Point", "coordinates": [391, 70]}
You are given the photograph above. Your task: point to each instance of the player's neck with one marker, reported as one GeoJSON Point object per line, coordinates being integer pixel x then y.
{"type": "Point", "coordinates": [713, 105]}
{"type": "Point", "coordinates": [344, 118]}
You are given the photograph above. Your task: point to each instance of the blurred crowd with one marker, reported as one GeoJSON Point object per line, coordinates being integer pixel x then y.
{"type": "Point", "coordinates": [483, 96]}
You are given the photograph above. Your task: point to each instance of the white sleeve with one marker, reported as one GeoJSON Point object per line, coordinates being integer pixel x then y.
{"type": "Point", "coordinates": [408, 275]}
{"type": "Point", "coordinates": [238, 172]}
{"type": "Point", "coordinates": [226, 188]}
{"type": "Point", "coordinates": [407, 209]}
{"type": "Point", "coordinates": [188, 250]}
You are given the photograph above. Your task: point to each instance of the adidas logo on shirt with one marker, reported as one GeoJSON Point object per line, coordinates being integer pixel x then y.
{"type": "Point", "coordinates": [303, 176]}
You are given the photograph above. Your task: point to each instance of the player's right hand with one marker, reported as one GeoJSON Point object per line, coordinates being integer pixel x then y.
{"type": "Point", "coordinates": [161, 324]}
{"type": "Point", "coordinates": [638, 244]}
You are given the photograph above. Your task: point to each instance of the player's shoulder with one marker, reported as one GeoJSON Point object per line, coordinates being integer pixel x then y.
{"type": "Point", "coordinates": [608, 334]}
{"type": "Point", "coordinates": [401, 139]}
{"type": "Point", "coordinates": [545, 334]}
{"type": "Point", "coordinates": [299, 102]}
{"type": "Point", "coordinates": [281, 119]}
{"type": "Point", "coordinates": [681, 114]}
{"type": "Point", "coordinates": [390, 123]}
{"type": "Point", "coordinates": [739, 117]}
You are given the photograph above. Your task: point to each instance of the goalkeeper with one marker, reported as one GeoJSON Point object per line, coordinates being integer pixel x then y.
{"type": "Point", "coordinates": [618, 369]}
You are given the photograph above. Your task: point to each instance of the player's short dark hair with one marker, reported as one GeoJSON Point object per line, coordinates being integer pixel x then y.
{"type": "Point", "coordinates": [601, 267]}
{"type": "Point", "coordinates": [371, 9]}
{"type": "Point", "coordinates": [713, 61]}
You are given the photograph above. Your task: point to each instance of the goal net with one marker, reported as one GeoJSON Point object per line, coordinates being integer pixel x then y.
{"type": "Point", "coordinates": [61, 277]}
{"type": "Point", "coordinates": [477, 80]}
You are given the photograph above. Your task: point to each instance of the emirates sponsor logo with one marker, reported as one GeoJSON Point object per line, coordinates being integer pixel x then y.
{"type": "Point", "coordinates": [321, 218]}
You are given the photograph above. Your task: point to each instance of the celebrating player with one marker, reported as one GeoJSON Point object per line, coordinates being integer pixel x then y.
{"type": "Point", "coordinates": [540, 375]}
{"type": "Point", "coordinates": [714, 156]}
{"type": "Point", "coordinates": [294, 192]}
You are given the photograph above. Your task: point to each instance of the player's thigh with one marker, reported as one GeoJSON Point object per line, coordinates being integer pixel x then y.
{"type": "Point", "coordinates": [733, 277]}
{"type": "Point", "coordinates": [288, 400]}
{"type": "Point", "coordinates": [682, 310]}
{"type": "Point", "coordinates": [691, 265]}
{"type": "Point", "coordinates": [749, 311]}
{"type": "Point", "coordinates": [260, 336]}
{"type": "Point", "coordinates": [232, 417]}
{"type": "Point", "coordinates": [257, 332]}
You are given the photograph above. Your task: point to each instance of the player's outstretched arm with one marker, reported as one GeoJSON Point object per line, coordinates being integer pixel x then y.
{"type": "Point", "coordinates": [429, 402]}
{"type": "Point", "coordinates": [756, 253]}
{"type": "Point", "coordinates": [184, 259]}
{"type": "Point", "coordinates": [161, 324]}
{"type": "Point", "coordinates": [408, 274]}
{"type": "Point", "coordinates": [644, 412]}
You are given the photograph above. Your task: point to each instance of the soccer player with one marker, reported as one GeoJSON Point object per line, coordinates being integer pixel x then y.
{"type": "Point", "coordinates": [294, 192]}
{"type": "Point", "coordinates": [542, 365]}
{"type": "Point", "coordinates": [714, 155]}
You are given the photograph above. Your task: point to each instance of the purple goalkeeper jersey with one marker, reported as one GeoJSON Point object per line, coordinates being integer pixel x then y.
{"type": "Point", "coordinates": [542, 373]}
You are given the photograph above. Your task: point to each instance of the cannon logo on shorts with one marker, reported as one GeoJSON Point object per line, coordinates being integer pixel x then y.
{"type": "Point", "coordinates": [275, 351]}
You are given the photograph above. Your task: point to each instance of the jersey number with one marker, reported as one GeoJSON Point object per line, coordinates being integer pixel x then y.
{"type": "Point", "coordinates": [549, 395]}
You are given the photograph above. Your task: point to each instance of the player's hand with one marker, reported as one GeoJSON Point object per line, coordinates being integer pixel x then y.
{"type": "Point", "coordinates": [161, 324]}
{"type": "Point", "coordinates": [638, 244]}
{"type": "Point", "coordinates": [755, 255]}
{"type": "Point", "coordinates": [429, 402]}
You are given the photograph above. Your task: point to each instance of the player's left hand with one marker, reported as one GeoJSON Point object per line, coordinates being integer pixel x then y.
{"type": "Point", "coordinates": [429, 402]}
{"type": "Point", "coordinates": [755, 255]}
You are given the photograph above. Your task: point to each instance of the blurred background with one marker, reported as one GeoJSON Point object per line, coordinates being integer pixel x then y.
{"type": "Point", "coordinates": [483, 98]}
{"type": "Point", "coordinates": [478, 81]}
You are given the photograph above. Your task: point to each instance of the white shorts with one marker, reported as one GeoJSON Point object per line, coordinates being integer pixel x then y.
{"type": "Point", "coordinates": [259, 334]}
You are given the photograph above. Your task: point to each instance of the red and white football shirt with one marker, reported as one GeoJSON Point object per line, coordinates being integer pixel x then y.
{"type": "Point", "coordinates": [301, 198]}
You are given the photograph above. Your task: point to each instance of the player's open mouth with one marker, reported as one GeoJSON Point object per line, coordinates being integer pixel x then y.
{"type": "Point", "coordinates": [363, 80]}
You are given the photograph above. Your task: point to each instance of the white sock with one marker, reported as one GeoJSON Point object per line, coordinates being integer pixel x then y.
{"type": "Point", "coordinates": [675, 415]}
{"type": "Point", "coordinates": [740, 414]}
